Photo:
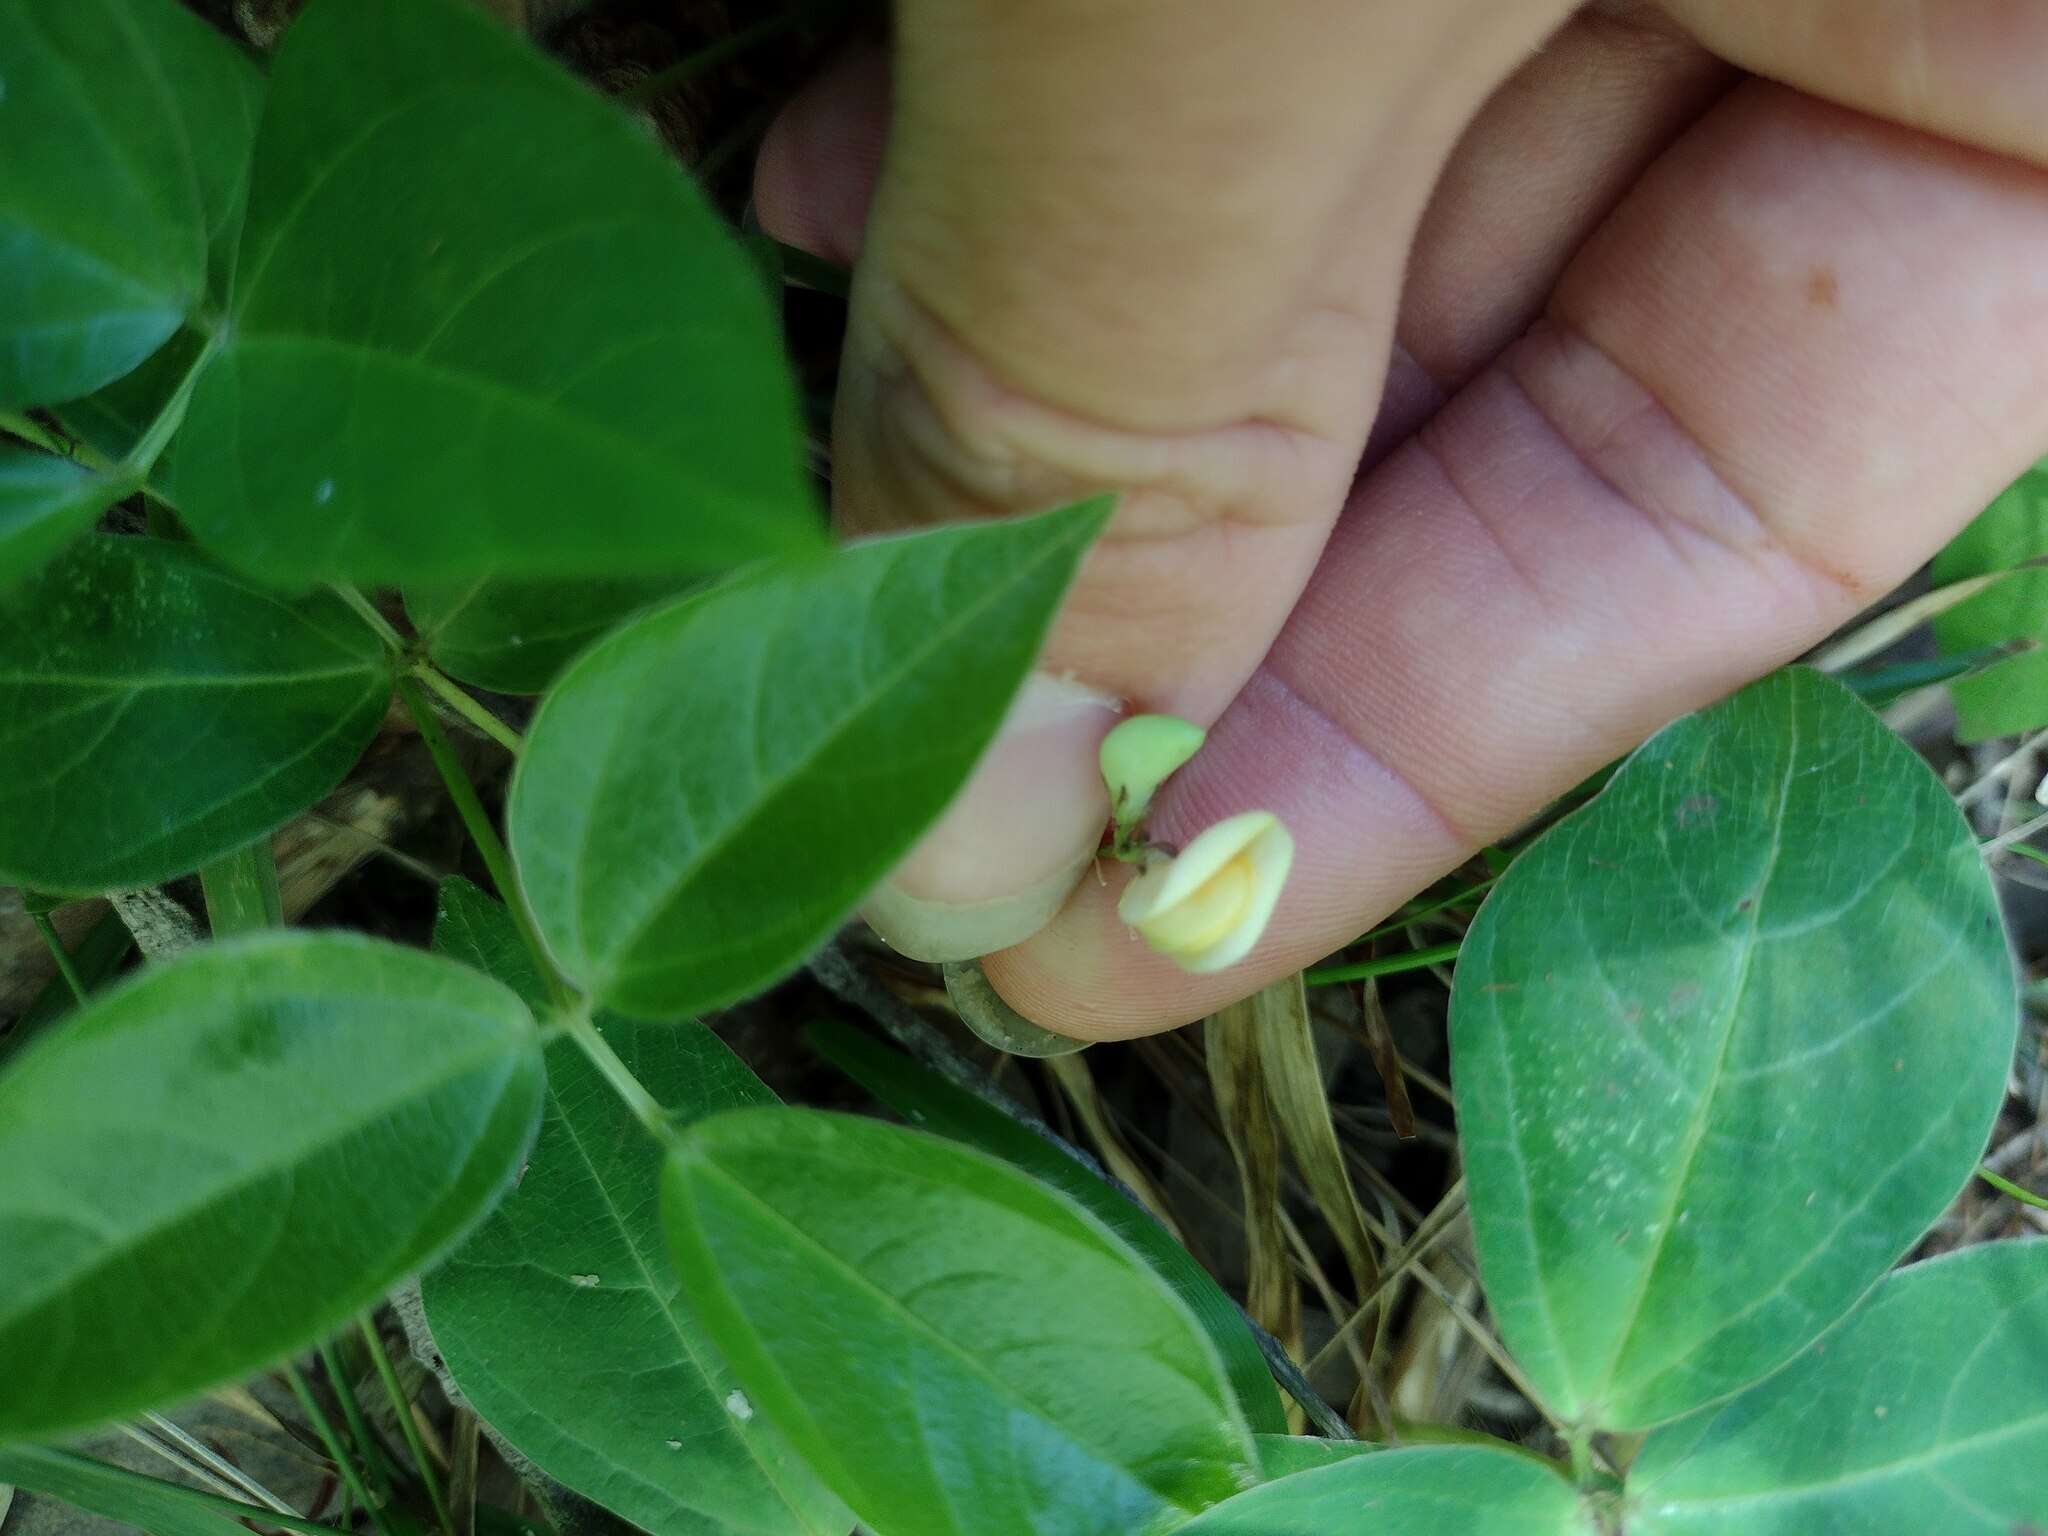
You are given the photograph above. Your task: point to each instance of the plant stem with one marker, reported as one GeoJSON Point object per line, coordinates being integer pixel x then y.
{"type": "Point", "coordinates": [1414, 960]}
{"type": "Point", "coordinates": [59, 953]}
{"type": "Point", "coordinates": [459, 700]}
{"type": "Point", "coordinates": [488, 844]}
{"type": "Point", "coordinates": [1580, 1443]}
{"type": "Point", "coordinates": [585, 1033]}
{"type": "Point", "coordinates": [2003, 1185]}
{"type": "Point", "coordinates": [29, 430]}
{"type": "Point", "coordinates": [367, 612]}
{"type": "Point", "coordinates": [351, 1478]}
{"type": "Point", "coordinates": [402, 1406]}
{"type": "Point", "coordinates": [156, 437]}
{"type": "Point", "coordinates": [352, 1415]}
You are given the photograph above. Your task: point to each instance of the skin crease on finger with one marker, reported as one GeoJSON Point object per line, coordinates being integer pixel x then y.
{"type": "Point", "coordinates": [1803, 352]}
{"type": "Point", "coordinates": [1384, 839]}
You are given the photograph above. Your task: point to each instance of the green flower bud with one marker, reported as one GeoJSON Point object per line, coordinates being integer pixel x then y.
{"type": "Point", "coordinates": [1141, 754]}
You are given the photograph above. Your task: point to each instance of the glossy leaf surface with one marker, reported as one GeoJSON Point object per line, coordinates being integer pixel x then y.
{"type": "Point", "coordinates": [711, 789]}
{"type": "Point", "coordinates": [1773, 909]}
{"type": "Point", "coordinates": [462, 349]}
{"type": "Point", "coordinates": [952, 1347]}
{"type": "Point", "coordinates": [1923, 1412]}
{"type": "Point", "coordinates": [157, 711]}
{"type": "Point", "coordinates": [932, 1104]}
{"type": "Point", "coordinates": [124, 155]}
{"type": "Point", "coordinates": [2010, 696]}
{"type": "Point", "coordinates": [45, 503]}
{"type": "Point", "coordinates": [233, 1154]}
{"type": "Point", "coordinates": [1420, 1491]}
{"type": "Point", "coordinates": [561, 1319]}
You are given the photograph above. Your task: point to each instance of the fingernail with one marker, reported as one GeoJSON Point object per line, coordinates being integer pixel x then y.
{"type": "Point", "coordinates": [999, 863]}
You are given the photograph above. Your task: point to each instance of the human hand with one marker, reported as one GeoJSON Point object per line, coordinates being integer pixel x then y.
{"type": "Point", "coordinates": [1689, 363]}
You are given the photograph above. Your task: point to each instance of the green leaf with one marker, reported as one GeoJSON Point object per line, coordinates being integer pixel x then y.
{"type": "Point", "coordinates": [560, 1318]}
{"type": "Point", "coordinates": [710, 790]}
{"type": "Point", "coordinates": [462, 349]}
{"type": "Point", "coordinates": [956, 1350]}
{"type": "Point", "coordinates": [45, 503]}
{"type": "Point", "coordinates": [157, 711]}
{"type": "Point", "coordinates": [515, 636]}
{"type": "Point", "coordinates": [1434, 1490]}
{"type": "Point", "coordinates": [1726, 1041]}
{"type": "Point", "coordinates": [1924, 1412]}
{"type": "Point", "coordinates": [231, 1155]}
{"type": "Point", "coordinates": [2011, 697]}
{"type": "Point", "coordinates": [147, 1503]}
{"type": "Point", "coordinates": [124, 155]}
{"type": "Point", "coordinates": [1283, 1455]}
{"type": "Point", "coordinates": [932, 1104]}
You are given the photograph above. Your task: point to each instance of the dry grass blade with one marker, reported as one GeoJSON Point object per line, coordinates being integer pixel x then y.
{"type": "Point", "coordinates": [1237, 1079]}
{"type": "Point", "coordinates": [1078, 1084]}
{"type": "Point", "coordinates": [1379, 1044]}
{"type": "Point", "coordinates": [1294, 1079]}
{"type": "Point", "coordinates": [1887, 629]}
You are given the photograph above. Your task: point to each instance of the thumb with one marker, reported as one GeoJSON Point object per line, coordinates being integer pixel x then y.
{"type": "Point", "coordinates": [1152, 248]}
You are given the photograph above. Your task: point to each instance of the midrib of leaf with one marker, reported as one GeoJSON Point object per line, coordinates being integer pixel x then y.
{"type": "Point", "coordinates": [945, 1345]}
{"type": "Point", "coordinates": [868, 703]}
{"type": "Point", "coordinates": [1872, 1186]}
{"type": "Point", "coordinates": [661, 1302]}
{"type": "Point", "coordinates": [263, 1171]}
{"type": "Point", "coordinates": [1696, 1131]}
{"type": "Point", "coordinates": [132, 682]}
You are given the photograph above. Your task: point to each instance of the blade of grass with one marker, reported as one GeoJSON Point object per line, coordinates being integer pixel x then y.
{"type": "Point", "coordinates": [401, 1406]}
{"type": "Point", "coordinates": [66, 1476]}
{"type": "Point", "coordinates": [344, 1465]}
{"type": "Point", "coordinates": [205, 1454]}
{"type": "Point", "coordinates": [1387, 965]}
{"type": "Point", "coordinates": [241, 891]}
{"type": "Point", "coordinates": [343, 1387]}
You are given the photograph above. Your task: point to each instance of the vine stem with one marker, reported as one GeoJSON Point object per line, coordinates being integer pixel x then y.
{"type": "Point", "coordinates": [458, 699]}
{"type": "Point", "coordinates": [2005, 1186]}
{"type": "Point", "coordinates": [488, 844]}
{"type": "Point", "coordinates": [583, 1030]}
{"type": "Point", "coordinates": [59, 953]}
{"type": "Point", "coordinates": [573, 1008]}
{"type": "Point", "coordinates": [367, 612]}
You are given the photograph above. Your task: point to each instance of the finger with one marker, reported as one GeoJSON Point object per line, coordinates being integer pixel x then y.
{"type": "Point", "coordinates": [1548, 156]}
{"type": "Point", "coordinates": [1155, 248]}
{"type": "Point", "coordinates": [815, 175]}
{"type": "Point", "coordinates": [1805, 349]}
{"type": "Point", "coordinates": [1970, 70]}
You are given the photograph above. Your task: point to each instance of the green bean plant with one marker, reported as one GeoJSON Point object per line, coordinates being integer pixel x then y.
{"type": "Point", "coordinates": [411, 310]}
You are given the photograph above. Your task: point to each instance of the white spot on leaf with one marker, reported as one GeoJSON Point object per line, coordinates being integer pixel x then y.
{"type": "Point", "coordinates": [737, 1405]}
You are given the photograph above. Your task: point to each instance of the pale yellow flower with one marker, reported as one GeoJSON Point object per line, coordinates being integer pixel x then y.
{"type": "Point", "coordinates": [1206, 908]}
